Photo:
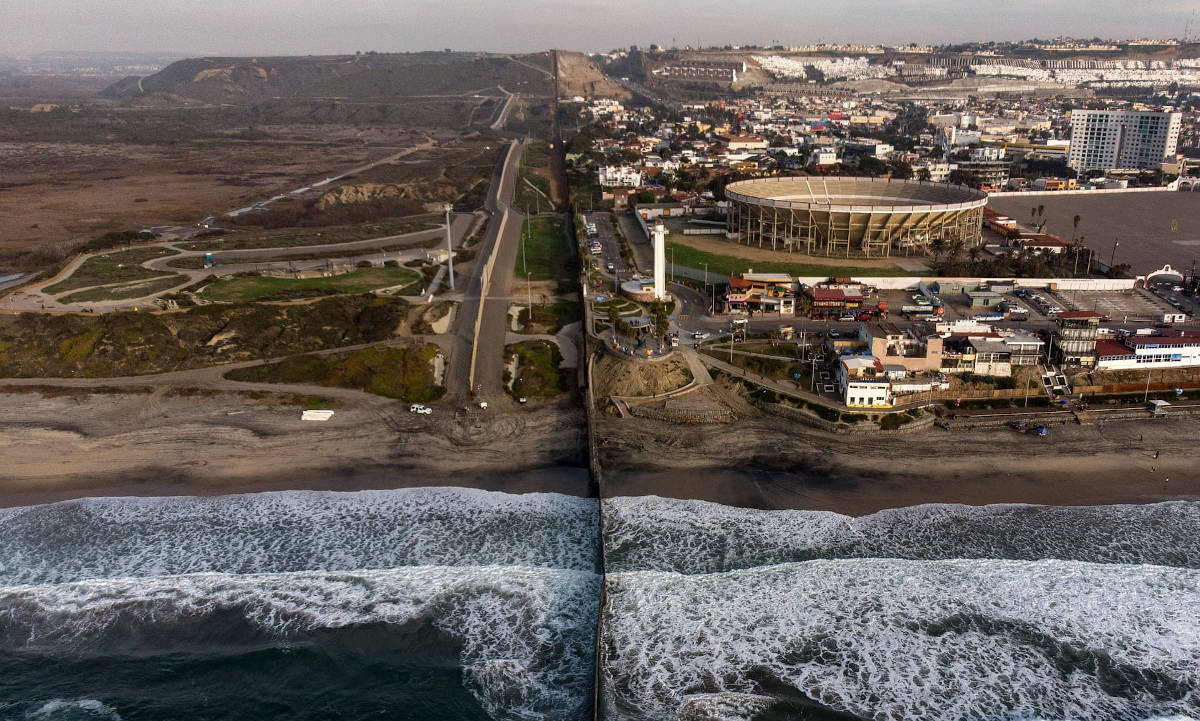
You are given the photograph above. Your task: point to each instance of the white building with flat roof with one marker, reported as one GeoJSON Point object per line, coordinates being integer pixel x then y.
{"type": "Point", "coordinates": [615, 176]}
{"type": "Point", "coordinates": [1122, 139]}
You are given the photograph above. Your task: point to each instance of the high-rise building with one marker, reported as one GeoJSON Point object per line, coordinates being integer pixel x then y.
{"type": "Point", "coordinates": [1122, 140]}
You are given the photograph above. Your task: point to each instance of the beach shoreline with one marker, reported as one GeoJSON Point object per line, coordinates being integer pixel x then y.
{"type": "Point", "coordinates": [769, 465]}
{"type": "Point", "coordinates": [137, 444]}
{"type": "Point", "coordinates": [58, 447]}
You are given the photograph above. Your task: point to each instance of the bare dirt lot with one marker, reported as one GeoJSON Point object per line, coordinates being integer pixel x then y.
{"type": "Point", "coordinates": [67, 192]}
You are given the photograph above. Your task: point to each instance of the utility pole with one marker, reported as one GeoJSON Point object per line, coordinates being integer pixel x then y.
{"type": "Point", "coordinates": [529, 295]}
{"type": "Point", "coordinates": [449, 249]}
{"type": "Point", "coordinates": [1146, 398]}
{"type": "Point", "coordinates": [524, 232]}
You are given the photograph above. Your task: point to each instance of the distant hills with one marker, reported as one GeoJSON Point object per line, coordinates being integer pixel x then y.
{"type": "Point", "coordinates": [362, 77]}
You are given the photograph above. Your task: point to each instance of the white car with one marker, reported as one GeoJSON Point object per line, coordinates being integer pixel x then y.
{"type": "Point", "coordinates": [420, 409]}
{"type": "Point", "coordinates": [700, 335]}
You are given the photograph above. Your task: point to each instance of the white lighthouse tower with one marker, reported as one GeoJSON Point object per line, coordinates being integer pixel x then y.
{"type": "Point", "coordinates": [660, 261]}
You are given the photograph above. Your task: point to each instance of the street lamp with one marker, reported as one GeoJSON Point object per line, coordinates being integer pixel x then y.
{"type": "Point", "coordinates": [1113, 257]}
{"type": "Point", "coordinates": [446, 207]}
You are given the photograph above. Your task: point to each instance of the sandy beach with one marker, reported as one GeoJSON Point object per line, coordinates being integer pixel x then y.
{"type": "Point", "coordinates": [764, 463]}
{"type": "Point", "coordinates": [158, 443]}
{"type": "Point", "coordinates": [69, 446]}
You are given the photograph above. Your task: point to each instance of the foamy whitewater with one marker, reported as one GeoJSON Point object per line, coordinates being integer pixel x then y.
{"type": "Point", "coordinates": [932, 612]}
{"type": "Point", "coordinates": [125, 607]}
{"type": "Point", "coordinates": [688, 536]}
{"type": "Point", "coordinates": [294, 531]}
{"type": "Point", "coordinates": [897, 639]}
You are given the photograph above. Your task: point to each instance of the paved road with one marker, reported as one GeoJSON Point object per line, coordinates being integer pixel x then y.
{"type": "Point", "coordinates": [501, 239]}
{"type": "Point", "coordinates": [610, 254]}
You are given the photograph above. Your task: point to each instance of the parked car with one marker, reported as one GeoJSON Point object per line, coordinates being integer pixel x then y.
{"type": "Point", "coordinates": [420, 409]}
{"type": "Point", "coordinates": [846, 319]}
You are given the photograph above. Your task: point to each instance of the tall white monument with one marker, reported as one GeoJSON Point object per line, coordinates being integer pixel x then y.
{"type": "Point", "coordinates": [660, 260]}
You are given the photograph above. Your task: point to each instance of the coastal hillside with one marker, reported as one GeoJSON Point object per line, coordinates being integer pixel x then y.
{"type": "Point", "coordinates": [350, 77]}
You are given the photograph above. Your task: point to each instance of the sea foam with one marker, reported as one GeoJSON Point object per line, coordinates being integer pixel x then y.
{"type": "Point", "coordinates": [294, 531]}
{"type": "Point", "coordinates": [688, 536]}
{"type": "Point", "coordinates": [526, 634]}
{"type": "Point", "coordinates": [911, 640]}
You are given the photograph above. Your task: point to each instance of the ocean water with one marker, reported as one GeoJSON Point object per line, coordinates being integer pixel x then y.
{"type": "Point", "coordinates": [409, 604]}
{"type": "Point", "coordinates": [445, 603]}
{"type": "Point", "coordinates": [998, 613]}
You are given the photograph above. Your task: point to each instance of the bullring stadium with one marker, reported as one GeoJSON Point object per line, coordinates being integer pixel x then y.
{"type": "Point", "coordinates": [848, 216]}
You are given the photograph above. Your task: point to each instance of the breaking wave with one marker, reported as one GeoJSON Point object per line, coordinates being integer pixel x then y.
{"type": "Point", "coordinates": [902, 639]}
{"type": "Point", "coordinates": [294, 531]}
{"type": "Point", "coordinates": [525, 635]}
{"type": "Point", "coordinates": [688, 536]}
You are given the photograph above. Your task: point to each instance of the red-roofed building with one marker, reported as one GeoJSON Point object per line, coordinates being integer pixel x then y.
{"type": "Point", "coordinates": [1173, 349]}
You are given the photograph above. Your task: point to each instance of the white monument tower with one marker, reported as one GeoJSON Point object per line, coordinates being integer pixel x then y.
{"type": "Point", "coordinates": [660, 261]}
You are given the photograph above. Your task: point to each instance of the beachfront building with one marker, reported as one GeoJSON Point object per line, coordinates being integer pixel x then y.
{"type": "Point", "coordinates": [902, 348]}
{"type": "Point", "coordinates": [864, 382]}
{"type": "Point", "coordinates": [1076, 341]}
{"type": "Point", "coordinates": [1122, 139]}
{"type": "Point", "coordinates": [1176, 349]}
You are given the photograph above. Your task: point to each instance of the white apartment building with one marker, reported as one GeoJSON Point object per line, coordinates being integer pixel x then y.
{"type": "Point", "coordinates": [1122, 140]}
{"type": "Point", "coordinates": [613, 176]}
{"type": "Point", "coordinates": [939, 172]}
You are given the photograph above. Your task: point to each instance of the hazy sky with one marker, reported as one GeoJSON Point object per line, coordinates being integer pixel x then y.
{"type": "Point", "coordinates": [253, 27]}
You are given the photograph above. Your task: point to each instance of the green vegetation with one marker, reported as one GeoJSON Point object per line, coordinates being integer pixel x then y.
{"type": "Point", "coordinates": [132, 343]}
{"type": "Point", "coordinates": [297, 237]}
{"type": "Point", "coordinates": [623, 306]}
{"type": "Point", "coordinates": [121, 267]}
{"type": "Point", "coordinates": [404, 373]}
{"type": "Point", "coordinates": [538, 375]}
{"type": "Point", "coordinates": [244, 288]}
{"type": "Point", "coordinates": [766, 367]}
{"type": "Point", "coordinates": [892, 421]}
{"type": "Point", "coordinates": [532, 192]}
{"type": "Point", "coordinates": [690, 257]}
{"type": "Point", "coordinates": [551, 318]}
{"type": "Point", "coordinates": [126, 292]}
{"type": "Point", "coordinates": [547, 251]}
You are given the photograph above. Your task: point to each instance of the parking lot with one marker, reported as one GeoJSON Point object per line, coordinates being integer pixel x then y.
{"type": "Point", "coordinates": [609, 256]}
{"type": "Point", "coordinates": [1123, 306]}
